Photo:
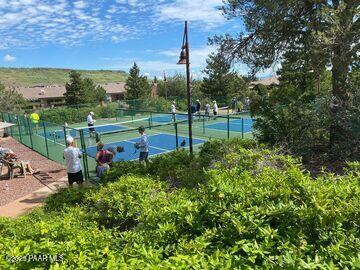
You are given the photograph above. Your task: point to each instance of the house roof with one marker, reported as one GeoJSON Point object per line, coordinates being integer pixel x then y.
{"type": "Point", "coordinates": [57, 91]}
{"type": "Point", "coordinates": [267, 81]}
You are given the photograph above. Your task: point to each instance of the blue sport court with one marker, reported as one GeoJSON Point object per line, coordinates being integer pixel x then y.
{"type": "Point", "coordinates": [59, 134]}
{"type": "Point", "coordinates": [235, 125]}
{"type": "Point", "coordinates": [166, 118]}
{"type": "Point", "coordinates": [159, 143]}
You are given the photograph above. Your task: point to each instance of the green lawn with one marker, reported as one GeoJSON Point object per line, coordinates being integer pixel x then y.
{"type": "Point", "coordinates": [54, 76]}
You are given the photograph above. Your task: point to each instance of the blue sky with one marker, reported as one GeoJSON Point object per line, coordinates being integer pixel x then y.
{"type": "Point", "coordinates": [109, 34]}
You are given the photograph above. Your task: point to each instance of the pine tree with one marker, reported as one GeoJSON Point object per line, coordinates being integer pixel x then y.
{"type": "Point", "coordinates": [217, 69]}
{"type": "Point", "coordinates": [137, 86]}
{"type": "Point", "coordinates": [83, 91]}
{"type": "Point", "coordinates": [74, 89]}
{"type": "Point", "coordinates": [331, 30]}
{"type": "Point", "coordinates": [220, 80]}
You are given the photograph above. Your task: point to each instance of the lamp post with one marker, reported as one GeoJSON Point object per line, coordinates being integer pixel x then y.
{"type": "Point", "coordinates": [184, 59]}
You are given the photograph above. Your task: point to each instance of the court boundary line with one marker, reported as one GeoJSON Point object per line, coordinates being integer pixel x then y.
{"type": "Point", "coordinates": [158, 148]}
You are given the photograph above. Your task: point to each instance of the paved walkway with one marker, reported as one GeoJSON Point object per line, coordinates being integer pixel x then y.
{"type": "Point", "coordinates": [35, 199]}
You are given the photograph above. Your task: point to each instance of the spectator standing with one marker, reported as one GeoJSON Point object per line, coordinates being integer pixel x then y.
{"type": "Point", "coordinates": [207, 109]}
{"type": "Point", "coordinates": [72, 157]}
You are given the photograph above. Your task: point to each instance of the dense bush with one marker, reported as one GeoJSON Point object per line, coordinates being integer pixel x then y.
{"type": "Point", "coordinates": [249, 208]}
{"type": "Point", "coordinates": [78, 114]}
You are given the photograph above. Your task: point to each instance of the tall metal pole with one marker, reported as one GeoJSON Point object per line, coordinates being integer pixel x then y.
{"type": "Point", "coordinates": [188, 88]}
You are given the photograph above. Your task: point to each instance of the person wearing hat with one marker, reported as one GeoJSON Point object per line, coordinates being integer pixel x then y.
{"type": "Point", "coordinates": [198, 106]}
{"type": "Point", "coordinates": [91, 121]}
{"type": "Point", "coordinates": [143, 145]}
{"type": "Point", "coordinates": [72, 156]}
{"type": "Point", "coordinates": [216, 108]}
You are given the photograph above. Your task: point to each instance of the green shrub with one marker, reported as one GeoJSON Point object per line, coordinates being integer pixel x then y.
{"type": "Point", "coordinates": [78, 114]}
{"type": "Point", "coordinates": [178, 168]}
{"type": "Point", "coordinates": [66, 197]}
{"type": "Point", "coordinates": [248, 208]}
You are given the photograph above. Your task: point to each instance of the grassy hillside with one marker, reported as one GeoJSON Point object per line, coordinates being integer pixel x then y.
{"type": "Point", "coordinates": [52, 76]}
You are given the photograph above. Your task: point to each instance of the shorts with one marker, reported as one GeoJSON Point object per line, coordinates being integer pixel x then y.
{"type": "Point", "coordinates": [143, 156]}
{"type": "Point", "coordinates": [75, 178]}
{"type": "Point", "coordinates": [91, 128]}
{"type": "Point", "coordinates": [215, 113]}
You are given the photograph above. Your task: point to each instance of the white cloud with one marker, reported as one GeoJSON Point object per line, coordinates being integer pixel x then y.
{"type": "Point", "coordinates": [207, 13]}
{"type": "Point", "coordinates": [80, 4]}
{"type": "Point", "coordinates": [168, 61]}
{"type": "Point", "coordinates": [9, 58]}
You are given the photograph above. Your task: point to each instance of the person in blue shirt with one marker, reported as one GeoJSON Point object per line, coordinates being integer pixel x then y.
{"type": "Point", "coordinates": [143, 145]}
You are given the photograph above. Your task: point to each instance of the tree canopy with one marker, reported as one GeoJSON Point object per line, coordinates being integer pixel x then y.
{"type": "Point", "coordinates": [137, 86]}
{"type": "Point", "coordinates": [306, 37]}
{"type": "Point", "coordinates": [82, 90]}
{"type": "Point", "coordinates": [10, 100]}
{"type": "Point", "coordinates": [220, 80]}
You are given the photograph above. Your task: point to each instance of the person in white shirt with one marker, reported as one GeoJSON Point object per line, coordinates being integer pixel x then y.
{"type": "Point", "coordinates": [143, 145]}
{"type": "Point", "coordinates": [91, 121]}
{"type": "Point", "coordinates": [72, 157]}
{"type": "Point", "coordinates": [247, 104]}
{"type": "Point", "coordinates": [207, 109]}
{"type": "Point", "coordinates": [173, 110]}
{"type": "Point", "coordinates": [216, 108]}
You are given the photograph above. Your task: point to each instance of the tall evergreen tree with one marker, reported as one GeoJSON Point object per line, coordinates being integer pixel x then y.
{"type": "Point", "coordinates": [82, 90]}
{"type": "Point", "coordinates": [329, 29]}
{"type": "Point", "coordinates": [216, 70]}
{"type": "Point", "coordinates": [220, 81]}
{"type": "Point", "coordinates": [137, 86]}
{"type": "Point", "coordinates": [75, 92]}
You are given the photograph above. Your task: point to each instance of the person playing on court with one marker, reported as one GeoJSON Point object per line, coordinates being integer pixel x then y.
{"type": "Point", "coordinates": [233, 104]}
{"type": "Point", "coordinates": [247, 103]}
{"type": "Point", "coordinates": [173, 110]}
{"type": "Point", "coordinates": [102, 159]}
{"type": "Point", "coordinates": [143, 145]}
{"type": "Point", "coordinates": [72, 156]}
{"type": "Point", "coordinates": [91, 121]}
{"type": "Point", "coordinates": [216, 108]}
{"type": "Point", "coordinates": [34, 117]}
{"type": "Point", "coordinates": [198, 106]}
{"type": "Point", "coordinates": [207, 110]}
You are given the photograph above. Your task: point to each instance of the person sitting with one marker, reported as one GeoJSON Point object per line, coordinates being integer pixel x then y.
{"type": "Point", "coordinates": [17, 163]}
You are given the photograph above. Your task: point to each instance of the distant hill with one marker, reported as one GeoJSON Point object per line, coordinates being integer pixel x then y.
{"type": "Point", "coordinates": [55, 76]}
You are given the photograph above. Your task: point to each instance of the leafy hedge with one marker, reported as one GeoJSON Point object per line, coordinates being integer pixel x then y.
{"type": "Point", "coordinates": [242, 206]}
{"type": "Point", "coordinates": [72, 115]}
